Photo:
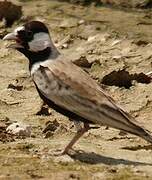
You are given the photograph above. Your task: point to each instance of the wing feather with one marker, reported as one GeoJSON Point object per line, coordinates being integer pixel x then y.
{"type": "Point", "coordinates": [72, 88]}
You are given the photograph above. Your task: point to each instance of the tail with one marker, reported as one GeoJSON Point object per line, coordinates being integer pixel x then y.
{"type": "Point", "coordinates": [115, 117]}
{"type": "Point", "coordinates": [136, 129]}
{"type": "Point", "coordinates": [141, 132]}
{"type": "Point", "coordinates": [147, 137]}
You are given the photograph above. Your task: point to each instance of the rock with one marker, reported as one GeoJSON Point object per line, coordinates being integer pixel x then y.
{"type": "Point", "coordinates": [63, 159]}
{"type": "Point", "coordinates": [64, 46]}
{"type": "Point", "coordinates": [19, 129]}
{"type": "Point", "coordinates": [115, 42]}
{"type": "Point", "coordinates": [82, 21]}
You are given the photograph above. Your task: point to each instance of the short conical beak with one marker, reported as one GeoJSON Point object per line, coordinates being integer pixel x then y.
{"type": "Point", "coordinates": [12, 36]}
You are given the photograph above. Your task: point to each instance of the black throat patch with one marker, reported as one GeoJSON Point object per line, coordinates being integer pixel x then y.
{"type": "Point", "coordinates": [34, 57]}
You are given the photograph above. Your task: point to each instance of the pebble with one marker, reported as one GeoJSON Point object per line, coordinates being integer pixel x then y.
{"type": "Point", "coordinates": [64, 46]}
{"type": "Point", "coordinates": [19, 129]}
{"type": "Point", "coordinates": [82, 21]}
{"type": "Point", "coordinates": [63, 159]}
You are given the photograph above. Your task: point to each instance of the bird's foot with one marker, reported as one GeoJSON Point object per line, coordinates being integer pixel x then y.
{"type": "Point", "coordinates": [69, 151]}
{"type": "Point", "coordinates": [59, 152]}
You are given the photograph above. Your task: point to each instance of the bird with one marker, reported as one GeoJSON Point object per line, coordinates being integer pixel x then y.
{"type": "Point", "coordinates": [67, 88]}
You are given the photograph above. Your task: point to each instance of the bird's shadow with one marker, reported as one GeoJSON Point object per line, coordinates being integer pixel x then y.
{"type": "Point", "coordinates": [139, 147]}
{"type": "Point", "coordinates": [94, 158]}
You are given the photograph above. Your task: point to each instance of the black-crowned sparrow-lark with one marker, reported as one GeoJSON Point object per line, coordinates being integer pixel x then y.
{"type": "Point", "coordinates": [66, 88]}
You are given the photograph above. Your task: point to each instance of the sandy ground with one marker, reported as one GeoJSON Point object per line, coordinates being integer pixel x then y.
{"type": "Point", "coordinates": [103, 40]}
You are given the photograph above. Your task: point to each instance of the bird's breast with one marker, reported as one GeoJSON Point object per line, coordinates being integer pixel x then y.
{"type": "Point", "coordinates": [46, 84]}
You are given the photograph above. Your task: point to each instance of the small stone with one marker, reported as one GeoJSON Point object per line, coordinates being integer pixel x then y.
{"type": "Point", "coordinates": [91, 38]}
{"type": "Point", "coordinates": [115, 42]}
{"type": "Point", "coordinates": [64, 46]}
{"type": "Point", "coordinates": [19, 129]}
{"type": "Point", "coordinates": [63, 159]}
{"type": "Point", "coordinates": [116, 57]}
{"type": "Point", "coordinates": [81, 22]}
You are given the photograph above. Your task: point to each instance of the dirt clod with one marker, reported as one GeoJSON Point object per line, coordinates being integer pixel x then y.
{"type": "Point", "coordinates": [10, 12]}
{"type": "Point", "coordinates": [122, 78]}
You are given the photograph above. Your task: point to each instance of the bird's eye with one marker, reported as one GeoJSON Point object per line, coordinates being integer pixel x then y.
{"type": "Point", "coordinates": [29, 34]}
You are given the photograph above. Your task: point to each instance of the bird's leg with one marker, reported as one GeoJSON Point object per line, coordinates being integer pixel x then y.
{"type": "Point", "coordinates": [79, 133]}
{"type": "Point", "coordinates": [79, 125]}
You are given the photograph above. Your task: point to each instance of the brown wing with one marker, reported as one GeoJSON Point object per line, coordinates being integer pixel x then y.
{"type": "Point", "coordinates": [72, 88]}
{"type": "Point", "coordinates": [78, 80]}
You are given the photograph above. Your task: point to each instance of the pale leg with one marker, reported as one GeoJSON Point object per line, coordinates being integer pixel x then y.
{"type": "Point", "coordinates": [76, 138]}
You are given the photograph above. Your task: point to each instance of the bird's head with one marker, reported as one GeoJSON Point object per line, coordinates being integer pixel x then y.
{"type": "Point", "coordinates": [33, 40]}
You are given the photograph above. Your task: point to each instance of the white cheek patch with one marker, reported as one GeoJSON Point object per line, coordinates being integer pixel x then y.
{"type": "Point", "coordinates": [40, 42]}
{"type": "Point", "coordinates": [21, 28]}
